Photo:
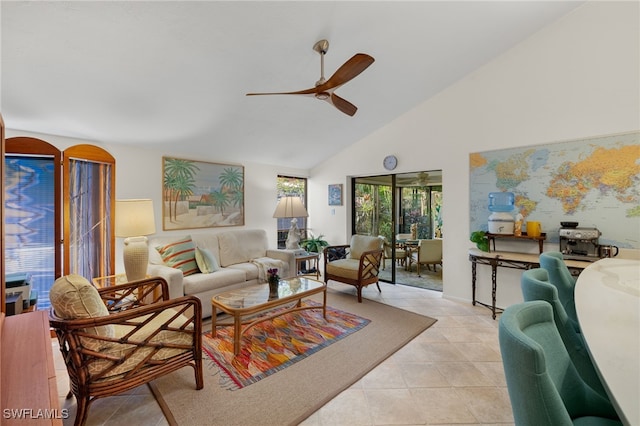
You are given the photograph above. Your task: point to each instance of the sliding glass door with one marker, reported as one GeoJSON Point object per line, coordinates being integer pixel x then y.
{"type": "Point", "coordinates": [402, 209]}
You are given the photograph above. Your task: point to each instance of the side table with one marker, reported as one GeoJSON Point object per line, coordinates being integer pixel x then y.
{"type": "Point", "coordinates": [312, 265]}
{"type": "Point", "coordinates": [109, 280]}
{"type": "Point", "coordinates": [113, 280]}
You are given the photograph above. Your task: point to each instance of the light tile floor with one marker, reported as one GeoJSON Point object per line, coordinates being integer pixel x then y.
{"type": "Point", "coordinates": [450, 374]}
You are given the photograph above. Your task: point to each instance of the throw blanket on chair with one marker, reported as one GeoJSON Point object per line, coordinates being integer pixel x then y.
{"type": "Point", "coordinates": [266, 263]}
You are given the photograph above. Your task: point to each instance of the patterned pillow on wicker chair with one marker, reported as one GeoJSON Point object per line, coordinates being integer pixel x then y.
{"type": "Point", "coordinates": [73, 297]}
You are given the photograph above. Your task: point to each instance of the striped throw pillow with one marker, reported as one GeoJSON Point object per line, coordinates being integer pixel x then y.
{"type": "Point", "coordinates": [181, 255]}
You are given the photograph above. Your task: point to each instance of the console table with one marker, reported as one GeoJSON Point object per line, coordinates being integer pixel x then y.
{"type": "Point", "coordinates": [506, 259]}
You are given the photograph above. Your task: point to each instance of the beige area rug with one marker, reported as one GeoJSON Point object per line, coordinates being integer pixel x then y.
{"type": "Point", "coordinates": [293, 394]}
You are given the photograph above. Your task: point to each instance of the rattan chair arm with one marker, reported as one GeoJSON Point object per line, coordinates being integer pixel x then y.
{"type": "Point", "coordinates": [369, 266]}
{"type": "Point", "coordinates": [184, 304]}
{"type": "Point", "coordinates": [135, 293]}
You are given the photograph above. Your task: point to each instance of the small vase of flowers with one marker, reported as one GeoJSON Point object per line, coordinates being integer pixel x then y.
{"type": "Point", "coordinates": [273, 279]}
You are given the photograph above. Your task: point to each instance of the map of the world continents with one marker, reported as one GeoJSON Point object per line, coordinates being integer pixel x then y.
{"type": "Point", "coordinates": [594, 181]}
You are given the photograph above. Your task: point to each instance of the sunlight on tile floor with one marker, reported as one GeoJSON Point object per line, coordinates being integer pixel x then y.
{"type": "Point", "coordinates": [449, 374]}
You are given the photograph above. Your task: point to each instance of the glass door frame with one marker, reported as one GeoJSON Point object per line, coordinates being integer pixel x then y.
{"type": "Point", "coordinates": [425, 183]}
{"type": "Point", "coordinates": [395, 208]}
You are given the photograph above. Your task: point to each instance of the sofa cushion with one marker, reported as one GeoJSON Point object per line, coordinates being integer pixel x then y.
{"type": "Point", "coordinates": [249, 269]}
{"type": "Point", "coordinates": [361, 243]}
{"type": "Point", "coordinates": [208, 241]}
{"type": "Point", "coordinates": [207, 262]}
{"type": "Point", "coordinates": [347, 268]}
{"type": "Point", "coordinates": [180, 254]}
{"type": "Point", "coordinates": [199, 283]}
{"type": "Point", "coordinates": [73, 297]}
{"type": "Point", "coordinates": [241, 246]}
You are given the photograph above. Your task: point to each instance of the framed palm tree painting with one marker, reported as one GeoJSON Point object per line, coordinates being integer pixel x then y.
{"type": "Point", "coordinates": [197, 194]}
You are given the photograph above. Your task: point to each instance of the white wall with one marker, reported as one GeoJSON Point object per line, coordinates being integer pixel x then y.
{"type": "Point", "coordinates": [577, 78]}
{"type": "Point", "coordinates": [139, 175]}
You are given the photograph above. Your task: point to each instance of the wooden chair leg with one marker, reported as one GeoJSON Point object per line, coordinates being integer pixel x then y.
{"type": "Point", "coordinates": [198, 371]}
{"type": "Point", "coordinates": [82, 411]}
{"type": "Point", "coordinates": [359, 293]}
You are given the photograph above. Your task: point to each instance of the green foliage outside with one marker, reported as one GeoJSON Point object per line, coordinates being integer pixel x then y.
{"type": "Point", "coordinates": [419, 205]}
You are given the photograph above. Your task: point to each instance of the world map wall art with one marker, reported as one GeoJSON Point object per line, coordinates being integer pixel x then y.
{"type": "Point", "coordinates": [594, 181]}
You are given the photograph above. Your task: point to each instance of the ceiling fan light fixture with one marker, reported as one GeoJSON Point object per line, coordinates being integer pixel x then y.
{"type": "Point", "coordinates": [323, 96]}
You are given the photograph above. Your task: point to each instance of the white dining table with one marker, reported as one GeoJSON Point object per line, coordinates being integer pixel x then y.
{"type": "Point", "coordinates": [607, 298]}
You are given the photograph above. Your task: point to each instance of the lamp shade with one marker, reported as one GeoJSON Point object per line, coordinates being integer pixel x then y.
{"type": "Point", "coordinates": [134, 218]}
{"type": "Point", "coordinates": [290, 207]}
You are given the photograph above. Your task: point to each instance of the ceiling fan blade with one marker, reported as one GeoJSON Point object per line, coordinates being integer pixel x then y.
{"type": "Point", "coordinates": [349, 70]}
{"type": "Point", "coordinates": [299, 92]}
{"type": "Point", "coordinates": [342, 104]}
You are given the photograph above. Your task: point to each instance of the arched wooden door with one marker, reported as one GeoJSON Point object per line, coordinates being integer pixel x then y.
{"type": "Point", "coordinates": [43, 201]}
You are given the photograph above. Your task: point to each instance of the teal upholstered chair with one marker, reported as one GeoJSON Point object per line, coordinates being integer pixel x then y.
{"type": "Point", "coordinates": [544, 386]}
{"type": "Point", "coordinates": [536, 286]}
{"type": "Point", "coordinates": [562, 279]}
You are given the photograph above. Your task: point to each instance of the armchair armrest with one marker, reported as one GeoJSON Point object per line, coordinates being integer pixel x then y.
{"type": "Point", "coordinates": [370, 264]}
{"type": "Point", "coordinates": [124, 317]}
{"type": "Point", "coordinates": [134, 294]}
{"type": "Point", "coordinates": [284, 255]}
{"type": "Point", "coordinates": [172, 276]}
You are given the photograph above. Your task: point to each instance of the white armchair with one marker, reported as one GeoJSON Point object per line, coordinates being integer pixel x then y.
{"type": "Point", "coordinates": [429, 252]}
{"type": "Point", "coordinates": [356, 264]}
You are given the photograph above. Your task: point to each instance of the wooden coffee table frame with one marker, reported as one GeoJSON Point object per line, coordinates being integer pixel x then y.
{"type": "Point", "coordinates": [239, 312]}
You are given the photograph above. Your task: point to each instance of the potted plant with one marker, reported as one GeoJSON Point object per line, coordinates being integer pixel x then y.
{"type": "Point", "coordinates": [314, 244]}
{"type": "Point", "coordinates": [481, 240]}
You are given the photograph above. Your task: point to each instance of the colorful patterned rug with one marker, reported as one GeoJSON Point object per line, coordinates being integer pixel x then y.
{"type": "Point", "coordinates": [271, 346]}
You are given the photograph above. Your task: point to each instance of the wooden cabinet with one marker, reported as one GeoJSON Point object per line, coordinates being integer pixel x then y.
{"type": "Point", "coordinates": [27, 373]}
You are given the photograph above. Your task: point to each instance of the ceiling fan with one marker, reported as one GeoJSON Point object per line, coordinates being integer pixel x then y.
{"type": "Point", "coordinates": [422, 179]}
{"type": "Point", "coordinates": [324, 89]}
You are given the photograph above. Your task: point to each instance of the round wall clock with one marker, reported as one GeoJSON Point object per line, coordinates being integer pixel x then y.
{"type": "Point", "coordinates": [390, 162]}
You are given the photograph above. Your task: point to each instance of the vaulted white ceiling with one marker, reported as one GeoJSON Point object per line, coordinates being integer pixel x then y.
{"type": "Point", "coordinates": [173, 75]}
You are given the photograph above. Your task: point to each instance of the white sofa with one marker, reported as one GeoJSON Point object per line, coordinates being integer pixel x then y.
{"type": "Point", "coordinates": [242, 255]}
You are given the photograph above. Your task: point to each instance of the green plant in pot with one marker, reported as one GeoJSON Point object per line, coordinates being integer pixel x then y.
{"type": "Point", "coordinates": [481, 240]}
{"type": "Point", "coordinates": [314, 244]}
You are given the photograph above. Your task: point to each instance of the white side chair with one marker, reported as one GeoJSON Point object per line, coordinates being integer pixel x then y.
{"type": "Point", "coordinates": [429, 253]}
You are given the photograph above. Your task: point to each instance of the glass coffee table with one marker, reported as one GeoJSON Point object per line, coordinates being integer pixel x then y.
{"type": "Point", "coordinates": [244, 304]}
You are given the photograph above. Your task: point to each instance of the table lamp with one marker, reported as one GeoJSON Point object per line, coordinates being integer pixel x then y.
{"type": "Point", "coordinates": [134, 220]}
{"type": "Point", "coordinates": [291, 207]}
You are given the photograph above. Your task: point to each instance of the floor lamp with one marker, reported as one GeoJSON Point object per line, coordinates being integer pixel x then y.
{"type": "Point", "coordinates": [291, 207]}
{"type": "Point", "coordinates": [135, 220]}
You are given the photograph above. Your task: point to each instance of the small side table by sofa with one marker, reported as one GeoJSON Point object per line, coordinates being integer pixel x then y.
{"type": "Point", "coordinates": [109, 280]}
{"type": "Point", "coordinates": [112, 280]}
{"type": "Point", "coordinates": [311, 262]}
